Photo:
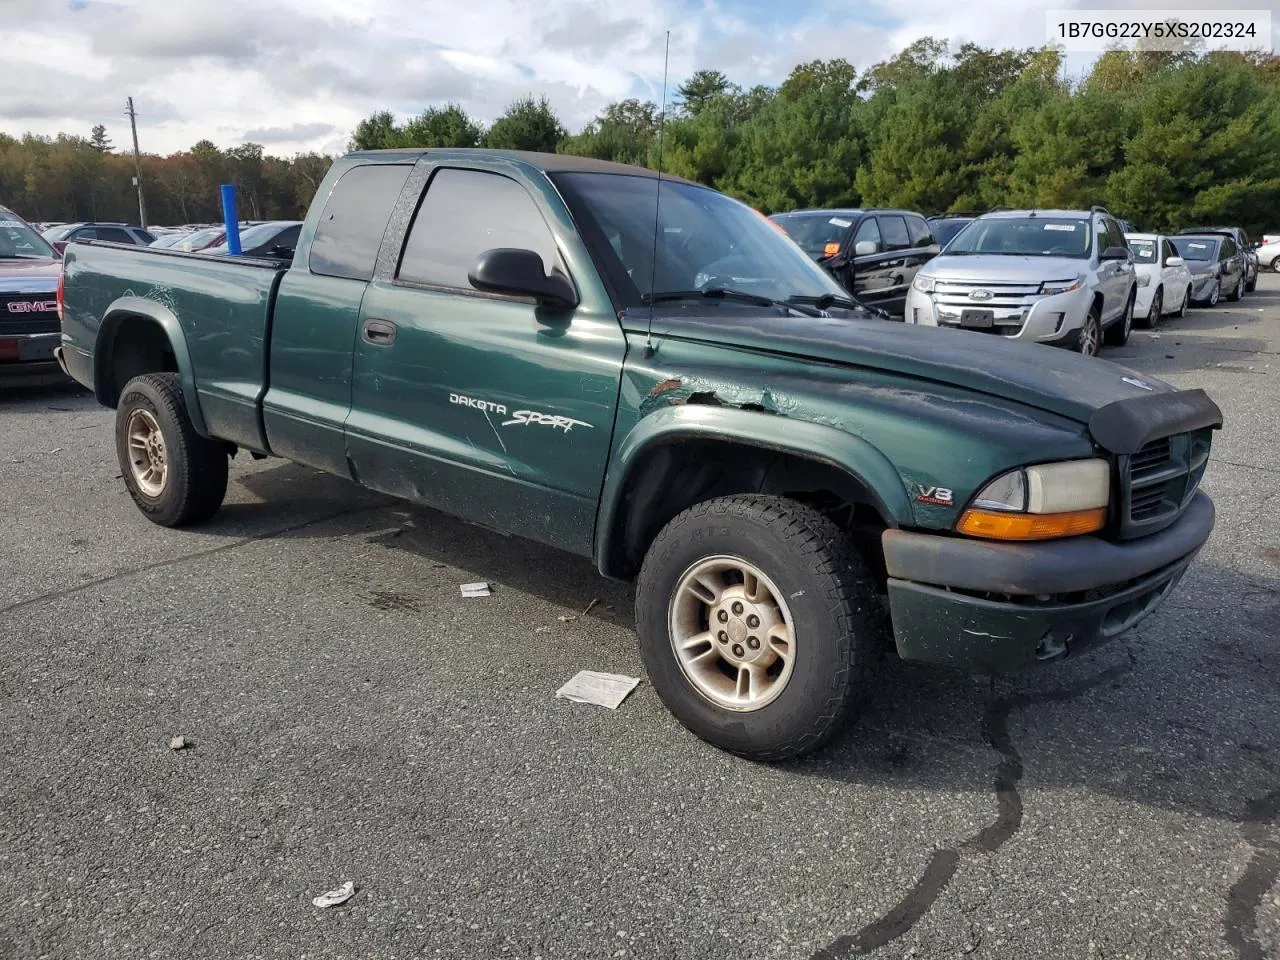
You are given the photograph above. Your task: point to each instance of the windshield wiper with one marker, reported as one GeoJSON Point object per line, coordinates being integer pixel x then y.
{"type": "Point", "coordinates": [719, 293]}
{"type": "Point", "coordinates": [835, 300]}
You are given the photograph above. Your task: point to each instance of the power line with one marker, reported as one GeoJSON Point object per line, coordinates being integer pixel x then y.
{"type": "Point", "coordinates": [137, 162]}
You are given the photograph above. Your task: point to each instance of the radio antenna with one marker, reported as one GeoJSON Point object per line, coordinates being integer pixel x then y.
{"type": "Point", "coordinates": [657, 199]}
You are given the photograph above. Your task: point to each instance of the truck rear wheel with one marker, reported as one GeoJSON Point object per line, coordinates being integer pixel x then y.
{"type": "Point", "coordinates": [757, 624]}
{"type": "Point", "coordinates": [175, 476]}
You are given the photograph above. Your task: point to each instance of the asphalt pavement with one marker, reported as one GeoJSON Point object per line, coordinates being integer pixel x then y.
{"type": "Point", "coordinates": [349, 716]}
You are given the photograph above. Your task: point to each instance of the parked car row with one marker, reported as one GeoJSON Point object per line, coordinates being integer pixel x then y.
{"type": "Point", "coordinates": [1071, 278]}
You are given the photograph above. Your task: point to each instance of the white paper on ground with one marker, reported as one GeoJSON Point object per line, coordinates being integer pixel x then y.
{"type": "Point", "coordinates": [602, 689]}
{"type": "Point", "coordinates": [335, 897]}
{"type": "Point", "coordinates": [475, 589]}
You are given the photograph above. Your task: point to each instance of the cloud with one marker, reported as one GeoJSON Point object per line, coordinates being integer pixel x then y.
{"type": "Point", "coordinates": [291, 134]}
{"type": "Point", "coordinates": [300, 74]}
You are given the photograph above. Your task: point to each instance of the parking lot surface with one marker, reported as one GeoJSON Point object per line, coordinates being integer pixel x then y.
{"type": "Point", "coordinates": [350, 716]}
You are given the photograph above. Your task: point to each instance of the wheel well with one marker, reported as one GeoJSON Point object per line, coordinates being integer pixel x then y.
{"type": "Point", "coordinates": [1097, 302]}
{"type": "Point", "coordinates": [130, 347]}
{"type": "Point", "coordinates": [675, 475]}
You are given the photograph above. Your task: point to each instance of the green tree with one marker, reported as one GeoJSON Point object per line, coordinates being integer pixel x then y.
{"type": "Point", "coordinates": [99, 139]}
{"type": "Point", "coordinates": [702, 89]}
{"type": "Point", "coordinates": [447, 126]}
{"type": "Point", "coordinates": [528, 124]}
{"type": "Point", "coordinates": [377, 132]}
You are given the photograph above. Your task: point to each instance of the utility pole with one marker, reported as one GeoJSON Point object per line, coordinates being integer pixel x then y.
{"type": "Point", "coordinates": [137, 163]}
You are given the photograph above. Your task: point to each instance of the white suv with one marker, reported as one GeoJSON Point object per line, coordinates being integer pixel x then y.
{"type": "Point", "coordinates": [1062, 277]}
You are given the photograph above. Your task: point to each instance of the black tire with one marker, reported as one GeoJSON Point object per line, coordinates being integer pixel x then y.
{"type": "Point", "coordinates": [1251, 285]}
{"type": "Point", "coordinates": [195, 480]}
{"type": "Point", "coordinates": [838, 621]}
{"type": "Point", "coordinates": [1238, 292]}
{"type": "Point", "coordinates": [1117, 335]}
{"type": "Point", "coordinates": [1157, 310]}
{"type": "Point", "coordinates": [1186, 303]}
{"type": "Point", "coordinates": [1215, 295]}
{"type": "Point", "coordinates": [1089, 340]}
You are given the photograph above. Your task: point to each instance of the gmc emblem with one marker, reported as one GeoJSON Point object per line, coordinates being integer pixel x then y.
{"type": "Point", "coordinates": [34, 306]}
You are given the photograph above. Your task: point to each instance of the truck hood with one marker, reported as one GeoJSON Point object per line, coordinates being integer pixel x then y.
{"type": "Point", "coordinates": [29, 276]}
{"type": "Point", "coordinates": [1038, 376]}
{"type": "Point", "coordinates": [995, 268]}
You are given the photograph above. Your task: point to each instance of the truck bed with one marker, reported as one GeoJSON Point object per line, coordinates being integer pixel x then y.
{"type": "Point", "coordinates": [218, 307]}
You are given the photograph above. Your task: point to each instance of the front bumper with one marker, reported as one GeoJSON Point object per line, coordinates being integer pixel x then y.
{"type": "Point", "coordinates": [28, 359]}
{"type": "Point", "coordinates": [1055, 319]}
{"type": "Point", "coordinates": [1202, 286]}
{"type": "Point", "coordinates": [1142, 304]}
{"type": "Point", "coordinates": [984, 605]}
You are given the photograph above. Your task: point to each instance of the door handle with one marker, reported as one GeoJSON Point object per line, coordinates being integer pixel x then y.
{"type": "Point", "coordinates": [380, 333]}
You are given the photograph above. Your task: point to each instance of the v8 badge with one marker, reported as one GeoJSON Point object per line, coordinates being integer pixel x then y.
{"type": "Point", "coordinates": [939, 495]}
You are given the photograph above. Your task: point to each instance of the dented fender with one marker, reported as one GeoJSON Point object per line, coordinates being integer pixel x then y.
{"type": "Point", "coordinates": [755, 428]}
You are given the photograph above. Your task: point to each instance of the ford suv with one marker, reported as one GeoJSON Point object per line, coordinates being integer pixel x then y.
{"type": "Point", "coordinates": [1061, 277]}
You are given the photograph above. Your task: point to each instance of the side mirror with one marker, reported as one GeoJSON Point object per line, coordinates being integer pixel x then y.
{"type": "Point", "coordinates": [864, 248]}
{"type": "Point", "coordinates": [520, 273]}
{"type": "Point", "coordinates": [1115, 253]}
{"type": "Point", "coordinates": [1173, 262]}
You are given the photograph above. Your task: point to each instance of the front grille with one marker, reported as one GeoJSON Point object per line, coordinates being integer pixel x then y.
{"type": "Point", "coordinates": [1009, 303]}
{"type": "Point", "coordinates": [1159, 481]}
{"type": "Point", "coordinates": [17, 319]}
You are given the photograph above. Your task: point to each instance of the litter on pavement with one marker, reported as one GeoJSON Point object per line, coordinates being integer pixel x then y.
{"type": "Point", "coordinates": [602, 689]}
{"type": "Point", "coordinates": [475, 589]}
{"type": "Point", "coordinates": [334, 897]}
{"type": "Point", "coordinates": [178, 743]}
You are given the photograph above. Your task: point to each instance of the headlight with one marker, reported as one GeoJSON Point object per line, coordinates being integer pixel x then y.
{"type": "Point", "coordinates": [1043, 502]}
{"type": "Point", "coordinates": [1144, 279]}
{"type": "Point", "coordinates": [1051, 287]}
{"type": "Point", "coordinates": [922, 283]}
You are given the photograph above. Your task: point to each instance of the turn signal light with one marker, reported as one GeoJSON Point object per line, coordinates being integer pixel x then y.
{"type": "Point", "coordinates": [1031, 526]}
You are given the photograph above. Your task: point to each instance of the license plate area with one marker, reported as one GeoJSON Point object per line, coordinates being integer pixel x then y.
{"type": "Point", "coordinates": [977, 319]}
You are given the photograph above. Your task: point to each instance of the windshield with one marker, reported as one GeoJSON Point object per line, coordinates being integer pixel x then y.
{"type": "Point", "coordinates": [54, 234]}
{"type": "Point", "coordinates": [944, 230]}
{"type": "Point", "coordinates": [1190, 248]}
{"type": "Point", "coordinates": [705, 240]}
{"type": "Point", "coordinates": [18, 241]}
{"type": "Point", "coordinates": [818, 234]}
{"type": "Point", "coordinates": [1024, 237]}
{"type": "Point", "coordinates": [1144, 251]}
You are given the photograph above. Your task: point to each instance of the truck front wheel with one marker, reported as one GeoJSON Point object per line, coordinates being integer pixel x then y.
{"type": "Point", "coordinates": [175, 476]}
{"type": "Point", "coordinates": [757, 624]}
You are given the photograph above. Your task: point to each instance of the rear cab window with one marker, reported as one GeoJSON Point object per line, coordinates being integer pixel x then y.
{"type": "Point", "coordinates": [464, 213]}
{"type": "Point", "coordinates": [354, 220]}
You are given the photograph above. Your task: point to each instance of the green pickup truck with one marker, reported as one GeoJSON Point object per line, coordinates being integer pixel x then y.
{"type": "Point", "coordinates": [643, 371]}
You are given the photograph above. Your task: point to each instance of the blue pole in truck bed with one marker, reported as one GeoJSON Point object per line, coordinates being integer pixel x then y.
{"type": "Point", "coordinates": [231, 217]}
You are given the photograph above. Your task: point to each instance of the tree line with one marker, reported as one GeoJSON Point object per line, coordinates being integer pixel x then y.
{"type": "Point", "coordinates": [69, 178]}
{"type": "Point", "coordinates": [1161, 138]}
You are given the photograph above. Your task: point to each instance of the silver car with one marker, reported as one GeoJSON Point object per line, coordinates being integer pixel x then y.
{"type": "Point", "coordinates": [1061, 277]}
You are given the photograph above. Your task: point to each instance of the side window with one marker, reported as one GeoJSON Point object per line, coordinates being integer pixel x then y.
{"type": "Point", "coordinates": [114, 234]}
{"type": "Point", "coordinates": [867, 230]}
{"type": "Point", "coordinates": [87, 233]}
{"type": "Point", "coordinates": [1228, 248]}
{"type": "Point", "coordinates": [1166, 251]}
{"type": "Point", "coordinates": [919, 231]}
{"type": "Point", "coordinates": [143, 237]}
{"type": "Point", "coordinates": [354, 220]}
{"type": "Point", "coordinates": [463, 214]}
{"type": "Point", "coordinates": [894, 232]}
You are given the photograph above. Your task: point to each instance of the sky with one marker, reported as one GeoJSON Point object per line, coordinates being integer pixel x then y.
{"type": "Point", "coordinates": [298, 75]}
